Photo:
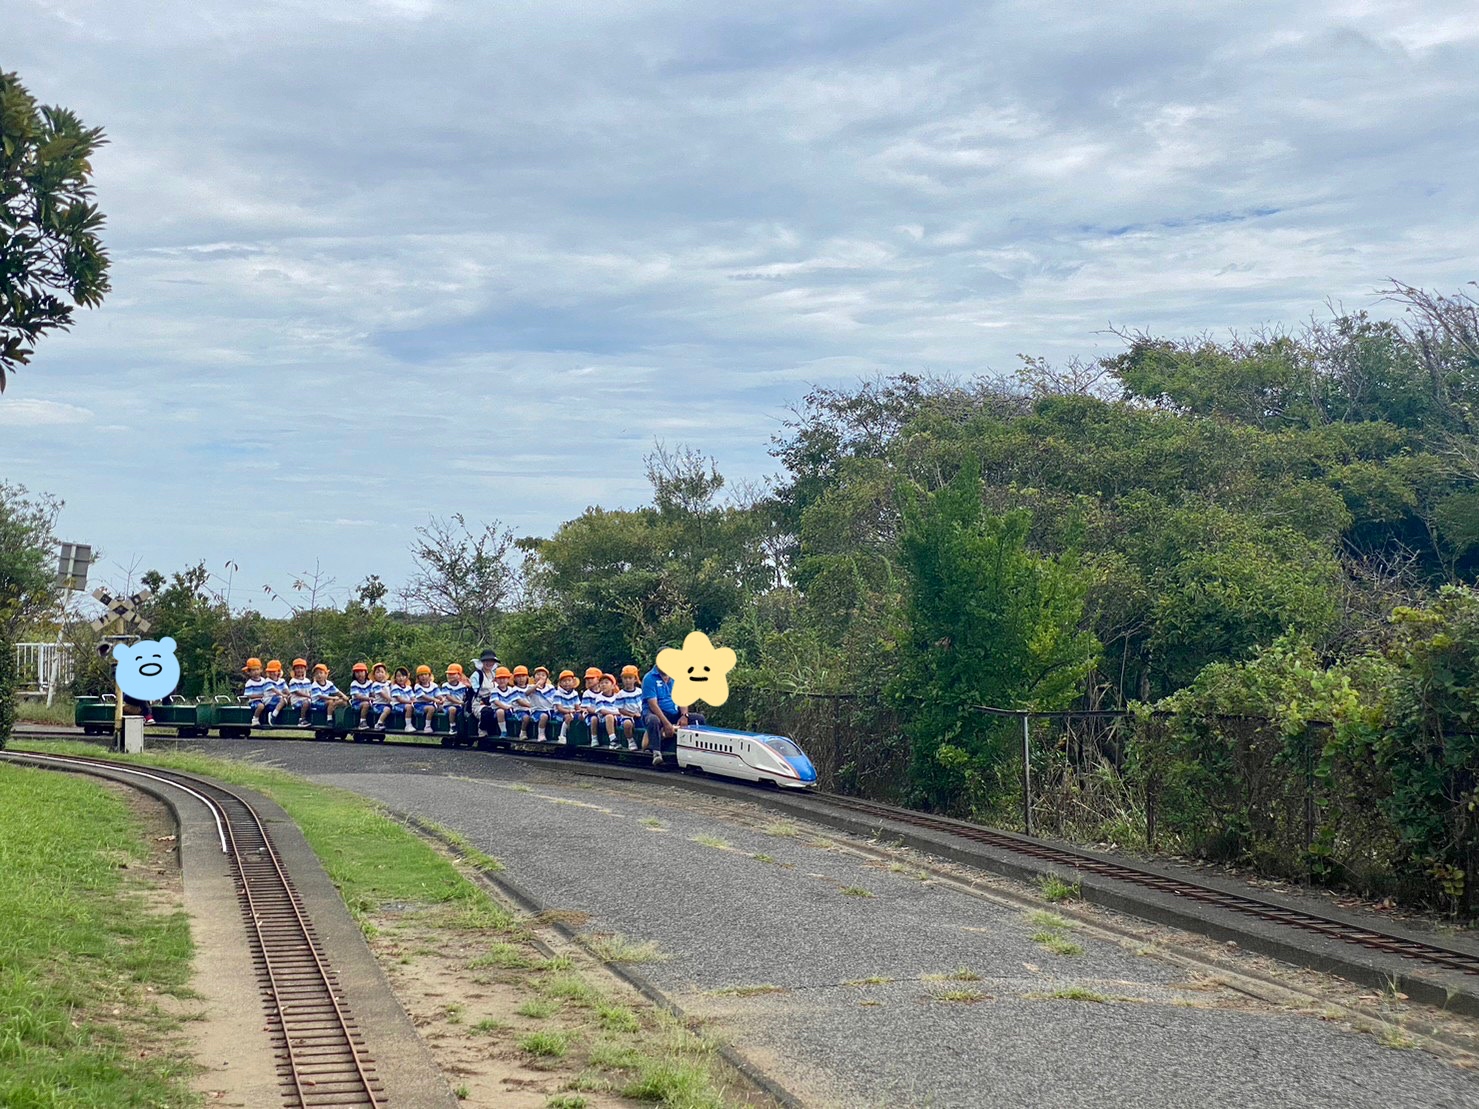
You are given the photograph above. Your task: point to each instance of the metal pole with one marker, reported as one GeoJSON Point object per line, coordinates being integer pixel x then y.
{"type": "Point", "coordinates": [1026, 776]}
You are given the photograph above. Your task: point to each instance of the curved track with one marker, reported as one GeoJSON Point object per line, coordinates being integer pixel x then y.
{"type": "Point", "coordinates": [321, 1057]}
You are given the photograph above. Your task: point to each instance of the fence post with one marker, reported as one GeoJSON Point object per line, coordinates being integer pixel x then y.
{"type": "Point", "coordinates": [1026, 775]}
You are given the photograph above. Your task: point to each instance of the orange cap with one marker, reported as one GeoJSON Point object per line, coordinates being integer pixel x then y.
{"type": "Point", "coordinates": [357, 667]}
{"type": "Point", "coordinates": [274, 665]}
{"type": "Point", "coordinates": [566, 674]}
{"type": "Point", "coordinates": [455, 668]}
{"type": "Point", "coordinates": [521, 670]}
{"type": "Point", "coordinates": [502, 672]}
{"type": "Point", "coordinates": [300, 662]}
{"type": "Point", "coordinates": [541, 670]}
{"type": "Point", "coordinates": [608, 677]}
{"type": "Point", "coordinates": [319, 667]}
{"type": "Point", "coordinates": [592, 671]}
{"type": "Point", "coordinates": [630, 671]}
{"type": "Point", "coordinates": [422, 669]}
{"type": "Point", "coordinates": [250, 663]}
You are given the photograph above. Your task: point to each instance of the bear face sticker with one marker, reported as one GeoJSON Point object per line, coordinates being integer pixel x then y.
{"type": "Point", "coordinates": [148, 670]}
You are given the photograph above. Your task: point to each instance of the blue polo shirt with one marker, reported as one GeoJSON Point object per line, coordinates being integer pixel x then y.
{"type": "Point", "coordinates": [657, 687]}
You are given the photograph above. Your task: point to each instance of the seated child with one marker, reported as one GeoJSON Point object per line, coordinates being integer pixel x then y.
{"type": "Point", "coordinates": [403, 697]}
{"type": "Point", "coordinates": [274, 696]}
{"type": "Point", "coordinates": [566, 702]}
{"type": "Point", "coordinates": [524, 713]}
{"type": "Point", "coordinates": [427, 697]}
{"type": "Point", "coordinates": [299, 690]}
{"type": "Point", "coordinates": [324, 694]}
{"type": "Point", "coordinates": [629, 707]}
{"type": "Point", "coordinates": [541, 708]}
{"type": "Point", "coordinates": [361, 691]}
{"type": "Point", "coordinates": [256, 688]}
{"type": "Point", "coordinates": [454, 693]}
{"type": "Point", "coordinates": [506, 701]}
{"type": "Point", "coordinates": [590, 703]}
{"type": "Point", "coordinates": [609, 713]}
{"type": "Point", "coordinates": [380, 688]}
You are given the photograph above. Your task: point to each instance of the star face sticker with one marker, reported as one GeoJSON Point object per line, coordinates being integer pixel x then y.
{"type": "Point", "coordinates": [700, 671]}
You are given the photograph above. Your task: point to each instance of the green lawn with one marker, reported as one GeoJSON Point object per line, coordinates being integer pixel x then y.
{"type": "Point", "coordinates": [81, 952]}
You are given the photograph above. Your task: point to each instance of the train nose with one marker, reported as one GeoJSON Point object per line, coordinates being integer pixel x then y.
{"type": "Point", "coordinates": [802, 765]}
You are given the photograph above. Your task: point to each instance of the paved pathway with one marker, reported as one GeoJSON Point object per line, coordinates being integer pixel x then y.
{"type": "Point", "coordinates": [732, 923]}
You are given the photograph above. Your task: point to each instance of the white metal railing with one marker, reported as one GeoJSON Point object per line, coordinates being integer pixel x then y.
{"type": "Point", "coordinates": [43, 668]}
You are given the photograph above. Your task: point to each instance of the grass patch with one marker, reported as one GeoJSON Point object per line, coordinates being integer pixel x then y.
{"type": "Point", "coordinates": [537, 1008]}
{"type": "Point", "coordinates": [545, 1044]}
{"type": "Point", "coordinates": [749, 991]}
{"type": "Point", "coordinates": [80, 952]}
{"type": "Point", "coordinates": [1071, 993]}
{"type": "Point", "coordinates": [875, 981]}
{"type": "Point", "coordinates": [609, 1055]}
{"type": "Point", "coordinates": [569, 987]}
{"type": "Point", "coordinates": [652, 822]}
{"type": "Point", "coordinates": [712, 841]}
{"type": "Point", "coordinates": [856, 891]}
{"type": "Point", "coordinates": [462, 1093]}
{"type": "Point", "coordinates": [617, 1018]}
{"type": "Point", "coordinates": [1056, 943]}
{"type": "Point", "coordinates": [959, 974]}
{"type": "Point", "coordinates": [782, 828]}
{"type": "Point", "coordinates": [521, 789]}
{"type": "Point", "coordinates": [469, 853]}
{"type": "Point", "coordinates": [963, 997]}
{"type": "Point", "coordinates": [1041, 918]}
{"type": "Point", "coordinates": [455, 1012]}
{"type": "Point", "coordinates": [763, 858]}
{"type": "Point", "coordinates": [505, 956]}
{"type": "Point", "coordinates": [1395, 1038]}
{"type": "Point", "coordinates": [30, 710]}
{"type": "Point", "coordinates": [566, 1101]}
{"type": "Point", "coordinates": [488, 1024]}
{"type": "Point", "coordinates": [618, 949]}
{"type": "Point", "coordinates": [1054, 889]}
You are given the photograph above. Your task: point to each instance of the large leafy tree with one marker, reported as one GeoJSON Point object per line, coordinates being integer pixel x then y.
{"type": "Point", "coordinates": [27, 579]}
{"type": "Point", "coordinates": [50, 252]}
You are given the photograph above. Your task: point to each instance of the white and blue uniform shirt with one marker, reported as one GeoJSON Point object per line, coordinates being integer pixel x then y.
{"type": "Point", "coordinates": [629, 701]}
{"type": "Point", "coordinates": [361, 691]}
{"type": "Point", "coordinates": [454, 693]}
{"type": "Point", "coordinates": [402, 694]}
{"type": "Point", "coordinates": [320, 692]}
{"type": "Point", "coordinates": [539, 699]}
{"type": "Point", "coordinates": [426, 694]}
{"type": "Point", "coordinates": [507, 698]}
{"type": "Point", "coordinates": [256, 689]}
{"type": "Point", "coordinates": [593, 702]}
{"type": "Point", "coordinates": [300, 687]}
{"type": "Point", "coordinates": [380, 691]}
{"type": "Point", "coordinates": [566, 699]}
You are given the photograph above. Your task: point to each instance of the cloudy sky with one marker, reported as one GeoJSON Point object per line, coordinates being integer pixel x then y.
{"type": "Point", "coordinates": [376, 260]}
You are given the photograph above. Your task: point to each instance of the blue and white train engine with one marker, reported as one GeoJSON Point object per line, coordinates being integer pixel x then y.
{"type": "Point", "coordinates": [749, 756]}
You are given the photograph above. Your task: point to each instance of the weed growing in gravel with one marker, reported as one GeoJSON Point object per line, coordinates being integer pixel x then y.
{"type": "Point", "coordinates": [617, 1018]}
{"type": "Point", "coordinates": [455, 1013]}
{"type": "Point", "coordinates": [749, 991]}
{"type": "Point", "coordinates": [1395, 1038]}
{"type": "Point", "coordinates": [763, 858]}
{"type": "Point", "coordinates": [856, 891]}
{"type": "Point", "coordinates": [545, 1044]}
{"type": "Point", "coordinates": [488, 1024]}
{"type": "Point", "coordinates": [652, 822]}
{"type": "Point", "coordinates": [781, 828]}
{"type": "Point", "coordinates": [462, 1093]}
{"type": "Point", "coordinates": [618, 949]}
{"type": "Point", "coordinates": [1071, 993]}
{"type": "Point", "coordinates": [874, 981]}
{"type": "Point", "coordinates": [673, 1084]}
{"type": "Point", "coordinates": [959, 974]}
{"type": "Point", "coordinates": [964, 996]}
{"type": "Point", "coordinates": [521, 789]}
{"type": "Point", "coordinates": [506, 956]}
{"type": "Point", "coordinates": [570, 988]}
{"type": "Point", "coordinates": [1041, 918]}
{"type": "Point", "coordinates": [555, 962]}
{"type": "Point", "coordinates": [712, 841]}
{"type": "Point", "coordinates": [613, 1056]}
{"type": "Point", "coordinates": [588, 1082]}
{"type": "Point", "coordinates": [1055, 889]}
{"type": "Point", "coordinates": [566, 1101]}
{"type": "Point", "coordinates": [537, 1009]}
{"type": "Point", "coordinates": [909, 871]}
{"type": "Point", "coordinates": [1056, 943]}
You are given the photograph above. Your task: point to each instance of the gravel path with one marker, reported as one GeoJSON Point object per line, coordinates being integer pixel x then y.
{"type": "Point", "coordinates": [774, 938]}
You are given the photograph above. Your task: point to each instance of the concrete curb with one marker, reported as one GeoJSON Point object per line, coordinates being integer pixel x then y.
{"type": "Point", "coordinates": [409, 1074]}
{"type": "Point", "coordinates": [516, 893]}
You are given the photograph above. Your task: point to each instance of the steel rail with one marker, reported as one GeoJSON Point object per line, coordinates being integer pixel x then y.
{"type": "Point", "coordinates": [322, 1060]}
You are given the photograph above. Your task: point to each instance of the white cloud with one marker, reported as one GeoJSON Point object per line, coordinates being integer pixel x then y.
{"type": "Point", "coordinates": [30, 412]}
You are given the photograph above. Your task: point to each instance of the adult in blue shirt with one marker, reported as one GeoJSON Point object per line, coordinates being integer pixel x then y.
{"type": "Point", "coordinates": [661, 717]}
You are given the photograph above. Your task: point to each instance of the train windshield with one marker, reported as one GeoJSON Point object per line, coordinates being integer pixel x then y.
{"type": "Point", "coordinates": [784, 747]}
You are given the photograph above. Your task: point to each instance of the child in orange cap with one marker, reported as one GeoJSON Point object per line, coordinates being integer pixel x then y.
{"type": "Point", "coordinates": [523, 711]}
{"type": "Point", "coordinates": [454, 694]}
{"type": "Point", "coordinates": [565, 701]}
{"type": "Point", "coordinates": [541, 708]}
{"type": "Point", "coordinates": [274, 695]}
{"type": "Point", "coordinates": [628, 703]}
{"type": "Point", "coordinates": [380, 696]}
{"type": "Point", "coordinates": [257, 687]}
{"type": "Point", "coordinates": [324, 694]}
{"type": "Point", "coordinates": [299, 691]}
{"type": "Point", "coordinates": [403, 697]}
{"type": "Point", "coordinates": [427, 695]}
{"type": "Point", "coordinates": [591, 702]}
{"type": "Point", "coordinates": [361, 692]}
{"type": "Point", "coordinates": [609, 716]}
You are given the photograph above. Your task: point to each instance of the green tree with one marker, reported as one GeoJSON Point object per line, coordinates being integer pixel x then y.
{"type": "Point", "coordinates": [49, 246]}
{"type": "Point", "coordinates": [989, 623]}
{"type": "Point", "coordinates": [28, 588]}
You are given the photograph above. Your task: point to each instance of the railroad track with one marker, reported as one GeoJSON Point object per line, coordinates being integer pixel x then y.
{"type": "Point", "coordinates": [320, 1053]}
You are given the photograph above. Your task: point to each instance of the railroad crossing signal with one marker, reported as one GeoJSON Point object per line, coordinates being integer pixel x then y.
{"type": "Point", "coordinates": [123, 610]}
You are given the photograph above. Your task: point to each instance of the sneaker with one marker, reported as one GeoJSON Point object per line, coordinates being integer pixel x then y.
{"type": "Point", "coordinates": [304, 724]}
{"type": "Point", "coordinates": [560, 742]}
{"type": "Point", "coordinates": [272, 719]}
{"type": "Point", "coordinates": [595, 743]}
{"type": "Point", "coordinates": [631, 745]}
{"type": "Point", "coordinates": [379, 727]}
{"type": "Point", "coordinates": [410, 727]}
{"type": "Point", "coordinates": [427, 730]}
{"type": "Point", "coordinates": [614, 745]}
{"type": "Point", "coordinates": [657, 759]}
{"type": "Point", "coordinates": [148, 720]}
